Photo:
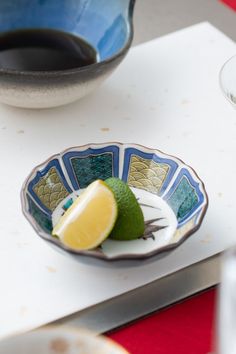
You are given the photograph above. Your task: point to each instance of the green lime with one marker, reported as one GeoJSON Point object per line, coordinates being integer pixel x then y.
{"type": "Point", "coordinates": [130, 222]}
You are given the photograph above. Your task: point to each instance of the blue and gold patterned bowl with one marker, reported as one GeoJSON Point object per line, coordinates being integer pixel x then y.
{"type": "Point", "coordinates": [106, 25]}
{"type": "Point", "coordinates": [172, 196]}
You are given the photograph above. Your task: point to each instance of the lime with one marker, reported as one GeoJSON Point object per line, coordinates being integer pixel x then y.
{"type": "Point", "coordinates": [130, 222]}
{"type": "Point", "coordinates": [90, 219]}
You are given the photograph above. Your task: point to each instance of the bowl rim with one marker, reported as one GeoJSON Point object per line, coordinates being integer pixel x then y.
{"type": "Point", "coordinates": [220, 79]}
{"type": "Point", "coordinates": [95, 253]}
{"type": "Point", "coordinates": [49, 328]}
{"type": "Point", "coordinates": [54, 73]}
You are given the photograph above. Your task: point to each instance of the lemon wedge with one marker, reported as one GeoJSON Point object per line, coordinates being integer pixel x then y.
{"type": "Point", "coordinates": [90, 219]}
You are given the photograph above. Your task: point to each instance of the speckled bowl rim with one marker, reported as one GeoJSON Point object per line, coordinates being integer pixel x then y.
{"type": "Point", "coordinates": [90, 67]}
{"type": "Point", "coordinates": [94, 253]}
{"type": "Point", "coordinates": [70, 330]}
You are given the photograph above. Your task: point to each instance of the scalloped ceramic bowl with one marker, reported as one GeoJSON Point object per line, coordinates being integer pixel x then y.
{"type": "Point", "coordinates": [61, 340]}
{"type": "Point", "coordinates": [172, 197]}
{"type": "Point", "coordinates": [106, 25]}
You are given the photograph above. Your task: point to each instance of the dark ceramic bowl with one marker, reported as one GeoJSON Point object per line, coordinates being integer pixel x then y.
{"type": "Point", "coordinates": [106, 25]}
{"type": "Point", "coordinates": [171, 195]}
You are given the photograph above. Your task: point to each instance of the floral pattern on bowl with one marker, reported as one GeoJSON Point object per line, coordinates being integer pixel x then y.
{"type": "Point", "coordinates": [172, 196]}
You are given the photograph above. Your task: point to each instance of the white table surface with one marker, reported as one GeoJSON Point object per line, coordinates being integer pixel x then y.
{"type": "Point", "coordinates": [165, 95]}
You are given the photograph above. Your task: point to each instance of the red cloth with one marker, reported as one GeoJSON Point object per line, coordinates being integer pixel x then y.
{"type": "Point", "coordinates": [184, 328]}
{"type": "Point", "coordinates": [230, 3]}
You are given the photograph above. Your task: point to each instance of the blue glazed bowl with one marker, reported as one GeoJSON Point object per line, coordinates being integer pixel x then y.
{"type": "Point", "coordinates": [171, 195]}
{"type": "Point", "coordinates": [105, 24]}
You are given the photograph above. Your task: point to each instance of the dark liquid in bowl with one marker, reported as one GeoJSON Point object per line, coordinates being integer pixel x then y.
{"type": "Point", "coordinates": [44, 50]}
